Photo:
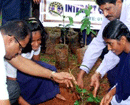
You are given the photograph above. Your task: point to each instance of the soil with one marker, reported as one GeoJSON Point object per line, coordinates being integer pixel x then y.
{"type": "Point", "coordinates": [68, 93]}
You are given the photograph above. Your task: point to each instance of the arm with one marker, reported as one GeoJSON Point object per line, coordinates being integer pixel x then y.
{"type": "Point", "coordinates": [4, 102]}
{"type": "Point", "coordinates": [125, 18]}
{"type": "Point", "coordinates": [92, 53]}
{"type": "Point", "coordinates": [29, 67]}
{"type": "Point", "coordinates": [109, 62]}
{"type": "Point", "coordinates": [80, 78]}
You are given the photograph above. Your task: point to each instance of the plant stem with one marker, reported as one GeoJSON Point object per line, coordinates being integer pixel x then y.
{"type": "Point", "coordinates": [85, 39]}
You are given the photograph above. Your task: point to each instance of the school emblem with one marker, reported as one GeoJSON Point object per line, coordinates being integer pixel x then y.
{"type": "Point", "coordinates": [55, 6]}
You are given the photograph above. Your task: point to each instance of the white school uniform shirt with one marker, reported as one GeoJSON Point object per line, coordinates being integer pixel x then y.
{"type": "Point", "coordinates": [97, 45]}
{"type": "Point", "coordinates": [3, 86]}
{"type": "Point", "coordinates": [11, 71]}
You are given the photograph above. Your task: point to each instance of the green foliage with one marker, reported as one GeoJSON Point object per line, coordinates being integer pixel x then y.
{"type": "Point", "coordinates": [93, 99]}
{"type": "Point", "coordinates": [76, 102]}
{"type": "Point", "coordinates": [63, 25]}
{"type": "Point", "coordinates": [85, 96]}
{"type": "Point", "coordinates": [86, 24]}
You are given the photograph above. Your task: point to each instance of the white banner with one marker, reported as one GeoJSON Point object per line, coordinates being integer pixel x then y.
{"type": "Point", "coordinates": [71, 7]}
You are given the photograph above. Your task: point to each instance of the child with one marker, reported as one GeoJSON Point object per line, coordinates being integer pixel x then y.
{"type": "Point", "coordinates": [35, 90]}
{"type": "Point", "coordinates": [117, 38]}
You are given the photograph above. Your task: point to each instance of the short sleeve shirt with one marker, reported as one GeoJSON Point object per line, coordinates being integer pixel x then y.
{"type": "Point", "coordinates": [3, 86]}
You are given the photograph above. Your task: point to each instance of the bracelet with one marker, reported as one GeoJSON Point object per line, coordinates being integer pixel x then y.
{"type": "Point", "coordinates": [51, 77]}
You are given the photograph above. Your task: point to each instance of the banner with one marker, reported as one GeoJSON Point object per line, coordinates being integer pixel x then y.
{"type": "Point", "coordinates": [69, 8]}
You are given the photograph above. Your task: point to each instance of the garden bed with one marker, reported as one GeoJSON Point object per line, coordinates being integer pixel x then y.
{"type": "Point", "coordinates": [70, 95]}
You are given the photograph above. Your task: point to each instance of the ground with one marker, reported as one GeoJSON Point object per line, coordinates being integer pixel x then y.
{"type": "Point", "coordinates": [69, 93]}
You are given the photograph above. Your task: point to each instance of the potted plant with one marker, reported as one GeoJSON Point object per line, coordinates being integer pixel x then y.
{"type": "Point", "coordinates": [86, 25]}
{"type": "Point", "coordinates": [61, 50]}
{"type": "Point", "coordinates": [73, 40]}
{"type": "Point", "coordinates": [52, 39]}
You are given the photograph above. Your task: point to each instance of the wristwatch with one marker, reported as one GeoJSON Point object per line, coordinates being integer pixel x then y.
{"type": "Point", "coordinates": [51, 77]}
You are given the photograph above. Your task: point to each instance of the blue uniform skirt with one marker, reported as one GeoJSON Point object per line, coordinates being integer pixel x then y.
{"type": "Point", "coordinates": [36, 90]}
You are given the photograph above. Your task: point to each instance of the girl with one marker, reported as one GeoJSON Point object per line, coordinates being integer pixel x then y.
{"type": "Point", "coordinates": [117, 38]}
{"type": "Point", "coordinates": [35, 90]}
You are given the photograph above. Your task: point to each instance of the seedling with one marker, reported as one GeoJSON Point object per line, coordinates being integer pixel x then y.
{"type": "Point", "coordinates": [85, 96]}
{"type": "Point", "coordinates": [86, 24]}
{"type": "Point", "coordinates": [63, 24]}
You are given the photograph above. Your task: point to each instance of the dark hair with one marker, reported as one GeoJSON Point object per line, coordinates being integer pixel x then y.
{"type": "Point", "coordinates": [18, 29]}
{"type": "Point", "coordinates": [101, 2]}
{"type": "Point", "coordinates": [35, 25]}
{"type": "Point", "coordinates": [115, 29]}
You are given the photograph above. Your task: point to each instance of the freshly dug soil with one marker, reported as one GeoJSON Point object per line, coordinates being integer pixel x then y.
{"type": "Point", "coordinates": [70, 95]}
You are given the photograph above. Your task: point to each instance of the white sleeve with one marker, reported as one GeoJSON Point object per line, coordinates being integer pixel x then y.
{"type": "Point", "coordinates": [11, 71]}
{"type": "Point", "coordinates": [109, 62]}
{"type": "Point", "coordinates": [3, 86]}
{"type": "Point", "coordinates": [38, 51]}
{"type": "Point", "coordinates": [94, 49]}
{"type": "Point", "coordinates": [125, 13]}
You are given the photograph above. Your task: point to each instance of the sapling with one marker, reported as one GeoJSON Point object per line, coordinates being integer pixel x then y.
{"type": "Point", "coordinates": [86, 24]}
{"type": "Point", "coordinates": [63, 24]}
{"type": "Point", "coordinates": [84, 95]}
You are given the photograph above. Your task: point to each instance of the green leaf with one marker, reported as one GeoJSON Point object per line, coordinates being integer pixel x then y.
{"type": "Point", "coordinates": [90, 99]}
{"type": "Point", "coordinates": [94, 33]}
{"type": "Point", "coordinates": [80, 11]}
{"type": "Point", "coordinates": [82, 27]}
{"type": "Point", "coordinates": [78, 89]}
{"type": "Point", "coordinates": [84, 91]}
{"type": "Point", "coordinates": [68, 25]}
{"type": "Point", "coordinates": [84, 24]}
{"type": "Point", "coordinates": [88, 30]}
{"type": "Point", "coordinates": [76, 102]}
{"type": "Point", "coordinates": [70, 19]}
{"type": "Point", "coordinates": [97, 100]}
{"type": "Point", "coordinates": [89, 7]}
{"type": "Point", "coordinates": [91, 95]}
{"type": "Point", "coordinates": [83, 20]}
{"type": "Point", "coordinates": [87, 12]}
